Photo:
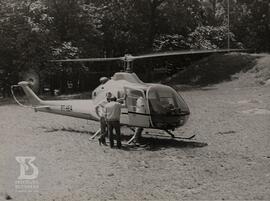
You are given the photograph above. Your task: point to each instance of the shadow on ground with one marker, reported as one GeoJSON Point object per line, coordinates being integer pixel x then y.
{"type": "Point", "coordinates": [154, 144]}
{"type": "Point", "coordinates": [147, 143]}
{"type": "Point", "coordinates": [70, 130]}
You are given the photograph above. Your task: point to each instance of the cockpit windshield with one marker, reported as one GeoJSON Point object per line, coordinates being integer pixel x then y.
{"type": "Point", "coordinates": [168, 110]}
{"type": "Point", "coordinates": [164, 100]}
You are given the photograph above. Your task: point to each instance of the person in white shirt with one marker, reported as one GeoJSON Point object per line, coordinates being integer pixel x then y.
{"type": "Point", "coordinates": [140, 108]}
{"type": "Point", "coordinates": [140, 105]}
{"type": "Point", "coordinates": [112, 115]}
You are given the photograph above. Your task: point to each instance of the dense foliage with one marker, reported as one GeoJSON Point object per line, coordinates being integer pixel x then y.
{"type": "Point", "coordinates": [34, 31]}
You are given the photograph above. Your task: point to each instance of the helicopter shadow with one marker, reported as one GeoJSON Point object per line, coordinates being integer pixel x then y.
{"type": "Point", "coordinates": [155, 144]}
{"type": "Point", "coordinates": [147, 143]}
{"type": "Point", "coordinates": [69, 130]}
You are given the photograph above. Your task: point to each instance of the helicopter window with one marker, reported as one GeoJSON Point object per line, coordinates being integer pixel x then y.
{"type": "Point", "coordinates": [167, 99]}
{"type": "Point", "coordinates": [120, 94]}
{"type": "Point", "coordinates": [132, 98]}
{"type": "Point", "coordinates": [163, 99]}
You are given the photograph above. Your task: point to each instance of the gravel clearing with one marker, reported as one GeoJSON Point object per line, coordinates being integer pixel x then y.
{"type": "Point", "coordinates": [229, 159]}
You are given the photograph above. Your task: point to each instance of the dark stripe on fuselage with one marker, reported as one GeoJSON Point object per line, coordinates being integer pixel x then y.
{"type": "Point", "coordinates": [70, 114]}
{"type": "Point", "coordinates": [172, 115]}
{"type": "Point", "coordinates": [136, 113]}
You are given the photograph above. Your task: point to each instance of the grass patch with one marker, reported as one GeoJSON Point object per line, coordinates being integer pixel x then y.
{"type": "Point", "coordinates": [214, 69]}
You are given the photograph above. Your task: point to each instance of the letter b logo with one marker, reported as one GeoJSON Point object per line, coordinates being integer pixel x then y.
{"type": "Point", "coordinates": [27, 169]}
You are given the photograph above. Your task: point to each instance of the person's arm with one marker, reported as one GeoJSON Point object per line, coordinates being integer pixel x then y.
{"type": "Point", "coordinates": [123, 102]}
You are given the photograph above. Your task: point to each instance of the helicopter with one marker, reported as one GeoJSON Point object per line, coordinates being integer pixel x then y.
{"type": "Point", "coordinates": [165, 108]}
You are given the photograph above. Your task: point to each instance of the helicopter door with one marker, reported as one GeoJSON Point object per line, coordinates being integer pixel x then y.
{"type": "Point", "coordinates": [138, 114]}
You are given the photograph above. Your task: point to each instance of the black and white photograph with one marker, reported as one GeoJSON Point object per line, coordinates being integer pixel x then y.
{"type": "Point", "coordinates": [134, 100]}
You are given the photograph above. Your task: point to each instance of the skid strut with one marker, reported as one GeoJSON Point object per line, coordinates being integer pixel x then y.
{"type": "Point", "coordinates": [134, 135]}
{"type": "Point", "coordinates": [170, 133]}
{"type": "Point", "coordinates": [131, 139]}
{"type": "Point", "coordinates": [97, 133]}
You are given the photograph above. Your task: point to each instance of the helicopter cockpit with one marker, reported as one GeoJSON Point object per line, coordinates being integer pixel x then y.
{"type": "Point", "coordinates": [168, 109]}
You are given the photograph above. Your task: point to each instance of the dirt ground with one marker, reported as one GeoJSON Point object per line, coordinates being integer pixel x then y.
{"type": "Point", "coordinates": [229, 159]}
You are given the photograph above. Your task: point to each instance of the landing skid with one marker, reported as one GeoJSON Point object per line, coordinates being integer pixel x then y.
{"type": "Point", "coordinates": [186, 138]}
{"type": "Point", "coordinates": [96, 134]}
{"type": "Point", "coordinates": [182, 138]}
{"type": "Point", "coordinates": [134, 135]}
{"type": "Point", "coordinates": [167, 131]}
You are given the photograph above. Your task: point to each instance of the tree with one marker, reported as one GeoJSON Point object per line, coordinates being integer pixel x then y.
{"type": "Point", "coordinates": [24, 38]}
{"type": "Point", "coordinates": [31, 30]}
{"type": "Point", "coordinates": [251, 23]}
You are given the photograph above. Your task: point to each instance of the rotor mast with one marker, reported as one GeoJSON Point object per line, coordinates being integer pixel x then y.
{"type": "Point", "coordinates": [128, 58]}
{"type": "Point", "coordinates": [128, 66]}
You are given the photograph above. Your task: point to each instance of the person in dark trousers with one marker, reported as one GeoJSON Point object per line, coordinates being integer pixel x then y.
{"type": "Point", "coordinates": [112, 115]}
{"type": "Point", "coordinates": [103, 123]}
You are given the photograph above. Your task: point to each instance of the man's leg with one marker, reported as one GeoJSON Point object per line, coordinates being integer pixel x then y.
{"type": "Point", "coordinates": [110, 132]}
{"type": "Point", "coordinates": [118, 133]}
{"type": "Point", "coordinates": [103, 131]}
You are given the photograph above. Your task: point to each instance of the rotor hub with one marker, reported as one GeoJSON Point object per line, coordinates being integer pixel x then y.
{"type": "Point", "coordinates": [128, 58]}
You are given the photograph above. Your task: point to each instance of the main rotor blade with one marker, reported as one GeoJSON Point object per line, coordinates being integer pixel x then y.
{"type": "Point", "coordinates": [129, 58]}
{"type": "Point", "coordinates": [174, 53]}
{"type": "Point", "coordinates": [88, 59]}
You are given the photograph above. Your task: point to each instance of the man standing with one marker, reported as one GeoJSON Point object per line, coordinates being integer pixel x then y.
{"type": "Point", "coordinates": [103, 123]}
{"type": "Point", "coordinates": [112, 115]}
{"type": "Point", "coordinates": [140, 108]}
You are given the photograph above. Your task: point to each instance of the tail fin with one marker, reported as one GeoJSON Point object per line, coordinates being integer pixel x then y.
{"type": "Point", "coordinates": [33, 98]}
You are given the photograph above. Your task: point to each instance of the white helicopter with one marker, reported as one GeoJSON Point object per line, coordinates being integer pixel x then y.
{"type": "Point", "coordinates": [165, 109]}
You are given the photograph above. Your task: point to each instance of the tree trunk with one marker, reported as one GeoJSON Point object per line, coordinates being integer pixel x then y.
{"type": "Point", "coordinates": [153, 5]}
{"type": "Point", "coordinates": [152, 24]}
